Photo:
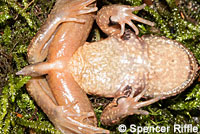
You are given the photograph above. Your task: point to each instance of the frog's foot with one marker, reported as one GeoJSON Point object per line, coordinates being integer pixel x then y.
{"type": "Point", "coordinates": [68, 11]}
{"type": "Point", "coordinates": [66, 120]}
{"type": "Point", "coordinates": [123, 106]}
{"type": "Point", "coordinates": [125, 15]}
{"type": "Point", "coordinates": [111, 18]}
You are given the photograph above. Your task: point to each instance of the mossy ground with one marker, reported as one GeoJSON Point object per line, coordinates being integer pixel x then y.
{"type": "Point", "coordinates": [21, 19]}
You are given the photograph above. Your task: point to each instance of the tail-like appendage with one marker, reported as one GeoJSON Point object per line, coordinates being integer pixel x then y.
{"type": "Point", "coordinates": [35, 69]}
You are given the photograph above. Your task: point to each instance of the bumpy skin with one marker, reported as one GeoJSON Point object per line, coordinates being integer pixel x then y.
{"type": "Point", "coordinates": [101, 68]}
{"type": "Point", "coordinates": [122, 66]}
{"type": "Point", "coordinates": [157, 66]}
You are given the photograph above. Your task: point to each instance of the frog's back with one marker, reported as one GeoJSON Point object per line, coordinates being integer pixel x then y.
{"type": "Point", "coordinates": [162, 65]}
{"type": "Point", "coordinates": [100, 68]}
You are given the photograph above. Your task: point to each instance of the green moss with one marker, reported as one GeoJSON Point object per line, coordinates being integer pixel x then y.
{"type": "Point", "coordinates": [20, 20]}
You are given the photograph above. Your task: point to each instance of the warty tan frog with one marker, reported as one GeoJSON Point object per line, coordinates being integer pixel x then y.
{"type": "Point", "coordinates": [123, 66]}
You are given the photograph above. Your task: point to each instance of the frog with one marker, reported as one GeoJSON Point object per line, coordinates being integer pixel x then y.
{"type": "Point", "coordinates": [123, 66]}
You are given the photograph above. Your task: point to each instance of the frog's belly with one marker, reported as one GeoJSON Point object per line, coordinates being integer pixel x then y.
{"type": "Point", "coordinates": [100, 68]}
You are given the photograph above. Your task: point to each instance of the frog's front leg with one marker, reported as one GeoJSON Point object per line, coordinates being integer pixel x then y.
{"type": "Point", "coordinates": [63, 11]}
{"type": "Point", "coordinates": [109, 18]}
{"type": "Point", "coordinates": [124, 104]}
{"type": "Point", "coordinates": [61, 116]}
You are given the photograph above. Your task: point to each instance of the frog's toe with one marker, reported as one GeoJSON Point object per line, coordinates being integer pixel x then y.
{"type": "Point", "coordinates": [70, 129]}
{"type": "Point", "coordinates": [125, 15]}
{"type": "Point", "coordinates": [131, 16]}
{"type": "Point", "coordinates": [125, 105]}
{"type": "Point", "coordinates": [86, 2]}
{"type": "Point", "coordinates": [143, 112]}
{"type": "Point", "coordinates": [135, 105]}
{"type": "Point", "coordinates": [66, 14]}
{"type": "Point", "coordinates": [70, 122]}
{"type": "Point", "coordinates": [83, 7]}
{"type": "Point", "coordinates": [86, 10]}
{"type": "Point", "coordinates": [130, 23]}
{"type": "Point", "coordinates": [137, 8]}
{"type": "Point", "coordinates": [122, 21]}
{"type": "Point", "coordinates": [127, 20]}
{"type": "Point", "coordinates": [146, 103]}
{"type": "Point", "coordinates": [134, 17]}
{"type": "Point", "coordinates": [139, 19]}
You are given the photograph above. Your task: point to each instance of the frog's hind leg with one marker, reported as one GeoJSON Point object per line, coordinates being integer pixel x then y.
{"type": "Point", "coordinates": [60, 116]}
{"type": "Point", "coordinates": [125, 105]}
{"type": "Point", "coordinates": [63, 11]}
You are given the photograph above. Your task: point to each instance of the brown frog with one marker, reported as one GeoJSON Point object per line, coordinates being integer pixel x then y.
{"type": "Point", "coordinates": [122, 66]}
